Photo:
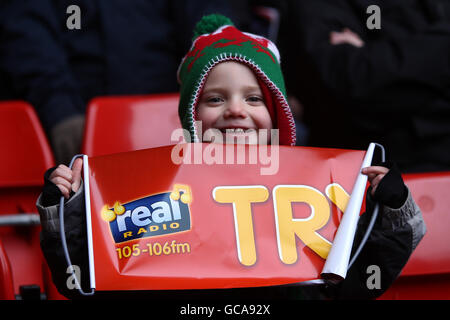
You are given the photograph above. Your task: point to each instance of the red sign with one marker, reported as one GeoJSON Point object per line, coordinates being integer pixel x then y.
{"type": "Point", "coordinates": [170, 218]}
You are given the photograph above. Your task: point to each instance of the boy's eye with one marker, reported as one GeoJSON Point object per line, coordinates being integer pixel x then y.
{"type": "Point", "coordinates": [255, 99]}
{"type": "Point", "coordinates": [213, 100]}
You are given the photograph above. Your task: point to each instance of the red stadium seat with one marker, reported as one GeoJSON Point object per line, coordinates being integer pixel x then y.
{"type": "Point", "coordinates": [26, 155]}
{"type": "Point", "coordinates": [427, 273]}
{"type": "Point", "coordinates": [120, 124]}
{"type": "Point", "coordinates": [26, 151]}
{"type": "Point", "coordinates": [6, 280]}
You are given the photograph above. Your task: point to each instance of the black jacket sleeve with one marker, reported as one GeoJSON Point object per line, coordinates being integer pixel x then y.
{"type": "Point", "coordinates": [76, 235]}
{"type": "Point", "coordinates": [398, 228]}
{"type": "Point", "coordinates": [387, 250]}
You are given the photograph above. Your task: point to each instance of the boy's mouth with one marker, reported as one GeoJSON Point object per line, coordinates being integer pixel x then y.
{"type": "Point", "coordinates": [237, 134]}
{"type": "Point", "coordinates": [236, 130]}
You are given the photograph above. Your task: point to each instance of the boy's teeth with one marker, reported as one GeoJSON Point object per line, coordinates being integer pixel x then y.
{"type": "Point", "coordinates": [235, 130]}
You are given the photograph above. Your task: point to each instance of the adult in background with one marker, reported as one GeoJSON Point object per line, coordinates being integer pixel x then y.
{"type": "Point", "coordinates": [389, 85]}
{"type": "Point", "coordinates": [121, 48]}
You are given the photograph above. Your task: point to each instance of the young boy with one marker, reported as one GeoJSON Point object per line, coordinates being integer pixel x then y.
{"type": "Point", "coordinates": [231, 83]}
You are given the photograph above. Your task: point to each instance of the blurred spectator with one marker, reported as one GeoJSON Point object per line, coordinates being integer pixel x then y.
{"type": "Point", "coordinates": [260, 17]}
{"type": "Point", "coordinates": [357, 85]}
{"type": "Point", "coordinates": [122, 48]}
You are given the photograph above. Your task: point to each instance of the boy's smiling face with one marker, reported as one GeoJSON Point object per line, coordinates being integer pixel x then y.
{"type": "Point", "coordinates": [232, 102]}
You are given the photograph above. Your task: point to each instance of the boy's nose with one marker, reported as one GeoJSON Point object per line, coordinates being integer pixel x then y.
{"type": "Point", "coordinates": [235, 109]}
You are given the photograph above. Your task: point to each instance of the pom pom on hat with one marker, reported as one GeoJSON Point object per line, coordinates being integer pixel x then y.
{"type": "Point", "coordinates": [210, 23]}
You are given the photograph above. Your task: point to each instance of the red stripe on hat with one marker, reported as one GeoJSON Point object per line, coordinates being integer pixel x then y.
{"type": "Point", "coordinates": [269, 101]}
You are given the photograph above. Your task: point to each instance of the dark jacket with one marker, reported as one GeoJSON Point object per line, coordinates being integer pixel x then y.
{"type": "Point", "coordinates": [123, 47]}
{"type": "Point", "coordinates": [394, 90]}
{"type": "Point", "coordinates": [395, 235]}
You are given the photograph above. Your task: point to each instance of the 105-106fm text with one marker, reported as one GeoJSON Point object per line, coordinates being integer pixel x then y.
{"type": "Point", "coordinates": [153, 249]}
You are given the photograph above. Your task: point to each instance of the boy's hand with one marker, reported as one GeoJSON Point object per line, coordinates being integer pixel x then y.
{"type": "Point", "coordinates": [375, 174]}
{"type": "Point", "coordinates": [387, 185]}
{"type": "Point", "coordinates": [67, 180]}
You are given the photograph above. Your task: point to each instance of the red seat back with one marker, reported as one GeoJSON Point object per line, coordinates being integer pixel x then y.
{"type": "Point", "coordinates": [26, 155]}
{"type": "Point", "coordinates": [6, 280]}
{"type": "Point", "coordinates": [427, 273]}
{"type": "Point", "coordinates": [120, 124]}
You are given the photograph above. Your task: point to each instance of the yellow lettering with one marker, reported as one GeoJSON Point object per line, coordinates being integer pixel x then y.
{"type": "Point", "coordinates": [127, 234]}
{"type": "Point", "coordinates": [142, 230]}
{"type": "Point", "coordinates": [154, 228]}
{"type": "Point", "coordinates": [288, 227]}
{"type": "Point", "coordinates": [338, 196]}
{"type": "Point", "coordinates": [242, 197]}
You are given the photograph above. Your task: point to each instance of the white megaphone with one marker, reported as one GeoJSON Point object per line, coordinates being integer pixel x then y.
{"type": "Point", "coordinates": [336, 265]}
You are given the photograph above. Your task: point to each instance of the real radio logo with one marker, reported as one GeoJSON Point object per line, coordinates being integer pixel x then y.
{"type": "Point", "coordinates": [158, 214]}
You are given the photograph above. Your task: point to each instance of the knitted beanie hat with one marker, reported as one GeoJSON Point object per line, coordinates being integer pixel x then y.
{"type": "Point", "coordinates": [216, 40]}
